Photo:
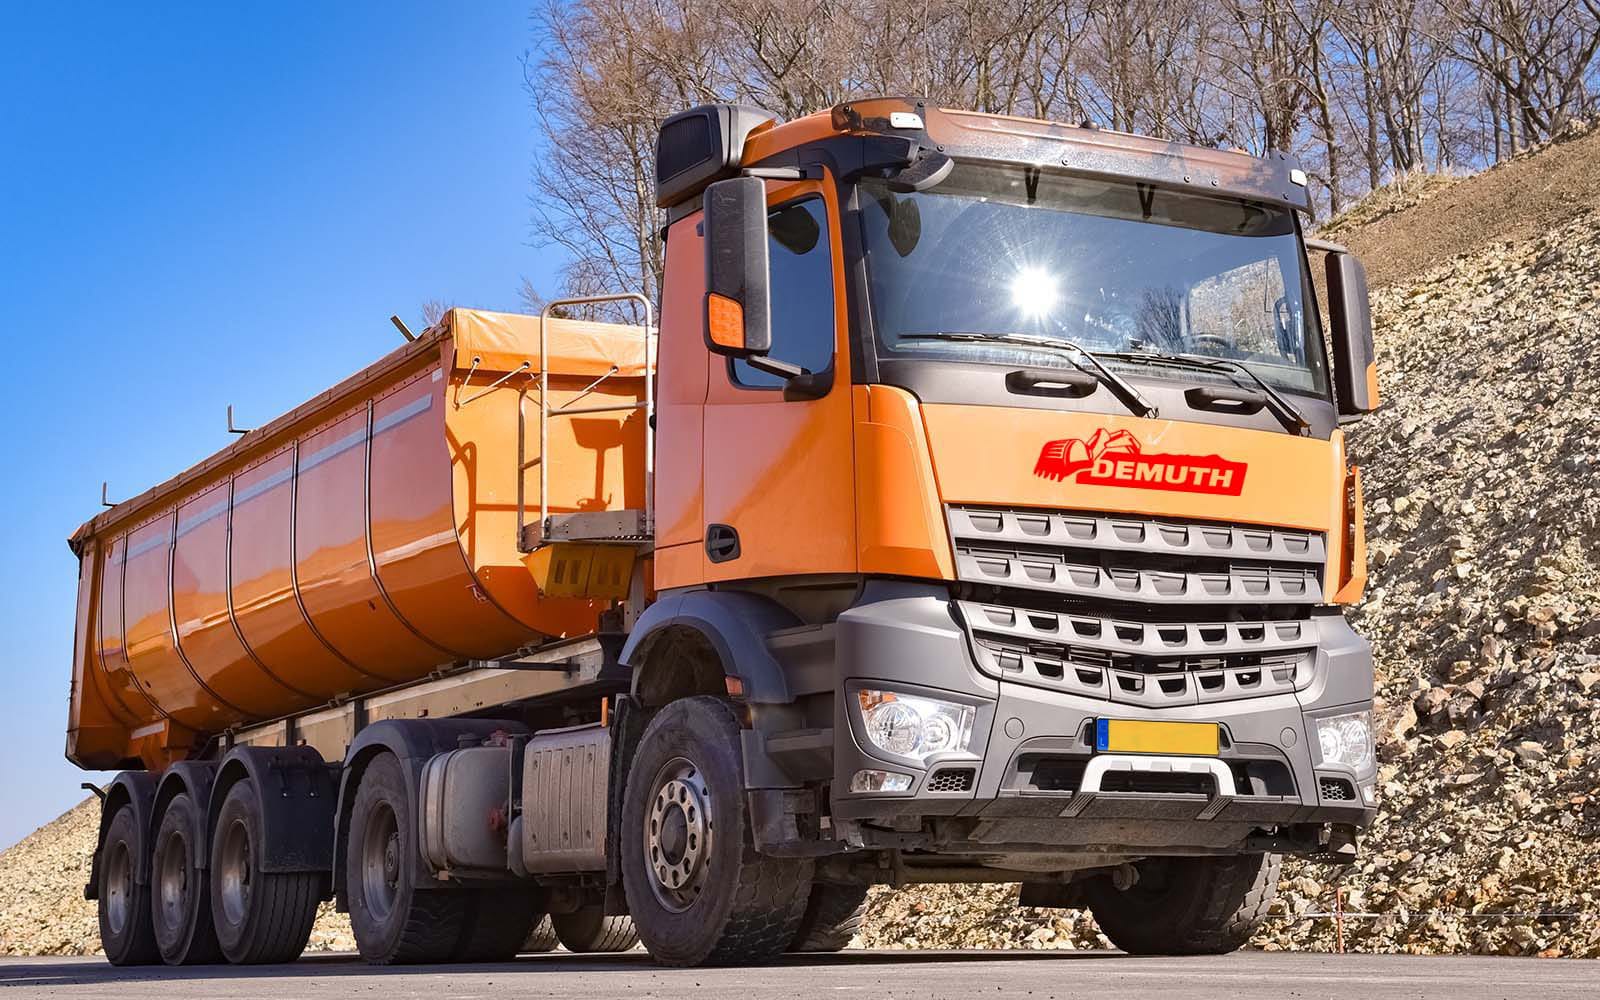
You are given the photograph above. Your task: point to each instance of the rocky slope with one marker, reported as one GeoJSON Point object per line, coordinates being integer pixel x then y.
{"type": "Point", "coordinates": [1482, 476]}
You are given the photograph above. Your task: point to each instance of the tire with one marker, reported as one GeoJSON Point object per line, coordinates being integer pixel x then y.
{"type": "Point", "coordinates": [543, 936]}
{"type": "Point", "coordinates": [698, 891]}
{"type": "Point", "coordinates": [124, 904]}
{"type": "Point", "coordinates": [833, 916]}
{"type": "Point", "coordinates": [590, 930]}
{"type": "Point", "coordinates": [260, 917]}
{"type": "Point", "coordinates": [1186, 906]}
{"type": "Point", "coordinates": [180, 896]}
{"type": "Point", "coordinates": [497, 922]}
{"type": "Point", "coordinates": [395, 922]}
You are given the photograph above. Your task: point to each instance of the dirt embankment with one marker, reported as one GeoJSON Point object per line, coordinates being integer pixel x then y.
{"type": "Point", "coordinates": [1424, 220]}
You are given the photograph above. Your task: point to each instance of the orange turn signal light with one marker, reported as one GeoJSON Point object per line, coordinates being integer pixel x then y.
{"type": "Point", "coordinates": [724, 320]}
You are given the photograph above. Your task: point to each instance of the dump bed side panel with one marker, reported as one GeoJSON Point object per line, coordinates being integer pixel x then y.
{"type": "Point", "coordinates": [360, 542]}
{"type": "Point", "coordinates": [415, 547]}
{"type": "Point", "coordinates": [265, 600]}
{"type": "Point", "coordinates": [204, 626]}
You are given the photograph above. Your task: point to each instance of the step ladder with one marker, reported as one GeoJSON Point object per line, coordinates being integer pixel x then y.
{"type": "Point", "coordinates": [632, 528]}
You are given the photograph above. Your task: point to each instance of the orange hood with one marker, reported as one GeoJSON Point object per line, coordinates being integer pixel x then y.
{"type": "Point", "coordinates": [1095, 462]}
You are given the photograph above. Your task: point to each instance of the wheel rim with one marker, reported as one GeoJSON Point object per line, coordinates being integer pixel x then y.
{"type": "Point", "coordinates": [119, 886]}
{"type": "Point", "coordinates": [380, 862]}
{"type": "Point", "coordinates": [678, 834]}
{"type": "Point", "coordinates": [235, 872]}
{"type": "Point", "coordinates": [172, 882]}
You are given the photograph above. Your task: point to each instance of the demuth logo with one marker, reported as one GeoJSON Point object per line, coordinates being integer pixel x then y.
{"type": "Point", "coordinates": [1117, 459]}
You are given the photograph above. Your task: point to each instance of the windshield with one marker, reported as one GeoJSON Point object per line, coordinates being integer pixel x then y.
{"type": "Point", "coordinates": [1112, 265]}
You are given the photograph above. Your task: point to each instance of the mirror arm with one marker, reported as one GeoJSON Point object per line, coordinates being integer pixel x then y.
{"type": "Point", "coordinates": [772, 366]}
{"type": "Point", "coordinates": [809, 385]}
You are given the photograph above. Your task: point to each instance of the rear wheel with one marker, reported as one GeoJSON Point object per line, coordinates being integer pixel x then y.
{"type": "Point", "coordinates": [124, 904]}
{"type": "Point", "coordinates": [590, 930]}
{"type": "Point", "coordinates": [543, 936]}
{"type": "Point", "coordinates": [698, 891]}
{"type": "Point", "coordinates": [260, 917]}
{"type": "Point", "coordinates": [394, 921]}
{"type": "Point", "coordinates": [1186, 906]}
{"type": "Point", "coordinates": [833, 916]}
{"type": "Point", "coordinates": [180, 897]}
{"type": "Point", "coordinates": [497, 923]}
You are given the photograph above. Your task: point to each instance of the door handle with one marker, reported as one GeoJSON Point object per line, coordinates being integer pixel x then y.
{"type": "Point", "coordinates": [722, 543]}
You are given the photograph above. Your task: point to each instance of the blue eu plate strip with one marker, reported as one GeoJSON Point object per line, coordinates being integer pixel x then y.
{"type": "Point", "coordinates": [1102, 734]}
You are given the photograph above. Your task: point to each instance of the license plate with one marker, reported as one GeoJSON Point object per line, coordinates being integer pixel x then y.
{"type": "Point", "coordinates": [1142, 736]}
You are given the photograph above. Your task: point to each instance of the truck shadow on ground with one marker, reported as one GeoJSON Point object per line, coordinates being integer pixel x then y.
{"type": "Point", "coordinates": [61, 973]}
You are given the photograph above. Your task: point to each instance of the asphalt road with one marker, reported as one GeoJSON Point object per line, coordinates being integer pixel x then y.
{"type": "Point", "coordinates": [870, 975]}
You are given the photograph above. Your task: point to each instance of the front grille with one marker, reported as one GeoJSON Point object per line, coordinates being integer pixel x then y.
{"type": "Point", "coordinates": [1136, 559]}
{"type": "Point", "coordinates": [1336, 790]}
{"type": "Point", "coordinates": [952, 779]}
{"type": "Point", "coordinates": [1066, 601]}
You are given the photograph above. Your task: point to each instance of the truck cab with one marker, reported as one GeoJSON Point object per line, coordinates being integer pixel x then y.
{"type": "Point", "coordinates": [1003, 463]}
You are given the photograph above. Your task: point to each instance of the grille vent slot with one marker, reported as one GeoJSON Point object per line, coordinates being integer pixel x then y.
{"type": "Point", "coordinates": [952, 779]}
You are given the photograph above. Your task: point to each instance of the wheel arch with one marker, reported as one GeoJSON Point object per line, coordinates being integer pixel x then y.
{"type": "Point", "coordinates": [732, 626]}
{"type": "Point", "coordinates": [194, 778]}
{"type": "Point", "coordinates": [129, 788]}
{"type": "Point", "coordinates": [294, 786]}
{"type": "Point", "coordinates": [412, 742]}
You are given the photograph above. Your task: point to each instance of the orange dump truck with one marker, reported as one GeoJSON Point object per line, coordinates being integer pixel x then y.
{"type": "Point", "coordinates": [977, 510]}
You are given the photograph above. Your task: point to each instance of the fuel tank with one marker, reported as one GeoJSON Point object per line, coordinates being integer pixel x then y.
{"type": "Point", "coordinates": [360, 541]}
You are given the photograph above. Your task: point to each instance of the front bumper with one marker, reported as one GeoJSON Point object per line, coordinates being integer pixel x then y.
{"type": "Point", "coordinates": [1032, 778]}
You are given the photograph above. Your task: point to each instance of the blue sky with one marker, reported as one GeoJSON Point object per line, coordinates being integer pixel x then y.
{"type": "Point", "coordinates": [220, 204]}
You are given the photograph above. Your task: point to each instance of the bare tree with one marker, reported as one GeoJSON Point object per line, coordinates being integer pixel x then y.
{"type": "Point", "coordinates": [1361, 91]}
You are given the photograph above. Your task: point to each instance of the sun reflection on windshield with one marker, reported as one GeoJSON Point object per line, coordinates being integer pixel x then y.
{"type": "Point", "coordinates": [1034, 292]}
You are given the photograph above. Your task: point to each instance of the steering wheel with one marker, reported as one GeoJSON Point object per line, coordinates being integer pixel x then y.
{"type": "Point", "coordinates": [1210, 343]}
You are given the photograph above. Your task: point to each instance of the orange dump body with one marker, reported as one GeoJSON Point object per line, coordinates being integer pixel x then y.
{"type": "Point", "coordinates": [358, 542]}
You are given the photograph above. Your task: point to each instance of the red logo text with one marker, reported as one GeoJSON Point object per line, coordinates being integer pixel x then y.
{"type": "Point", "coordinates": [1117, 459]}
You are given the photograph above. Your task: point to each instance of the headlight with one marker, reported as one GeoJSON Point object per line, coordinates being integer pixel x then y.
{"type": "Point", "coordinates": [1346, 739]}
{"type": "Point", "coordinates": [913, 726]}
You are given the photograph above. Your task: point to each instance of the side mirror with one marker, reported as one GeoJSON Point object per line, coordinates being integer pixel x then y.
{"type": "Point", "coordinates": [1350, 312]}
{"type": "Point", "coordinates": [738, 312]}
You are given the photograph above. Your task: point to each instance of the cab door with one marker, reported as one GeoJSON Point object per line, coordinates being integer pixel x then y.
{"type": "Point", "coordinates": [779, 489]}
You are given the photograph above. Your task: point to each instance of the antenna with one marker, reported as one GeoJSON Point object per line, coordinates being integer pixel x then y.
{"type": "Point", "coordinates": [236, 430]}
{"type": "Point", "coordinates": [400, 324]}
{"type": "Point", "coordinates": [103, 501]}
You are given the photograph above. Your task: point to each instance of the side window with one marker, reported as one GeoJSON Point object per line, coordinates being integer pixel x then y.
{"type": "Point", "coordinates": [801, 291]}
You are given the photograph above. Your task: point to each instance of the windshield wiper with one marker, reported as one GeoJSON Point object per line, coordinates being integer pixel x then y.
{"type": "Point", "coordinates": [1281, 408]}
{"type": "Point", "coordinates": [1120, 387]}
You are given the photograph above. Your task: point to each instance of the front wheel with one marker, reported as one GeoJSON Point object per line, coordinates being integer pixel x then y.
{"type": "Point", "coordinates": [1186, 906]}
{"type": "Point", "coordinates": [833, 917]}
{"type": "Point", "coordinates": [698, 891]}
